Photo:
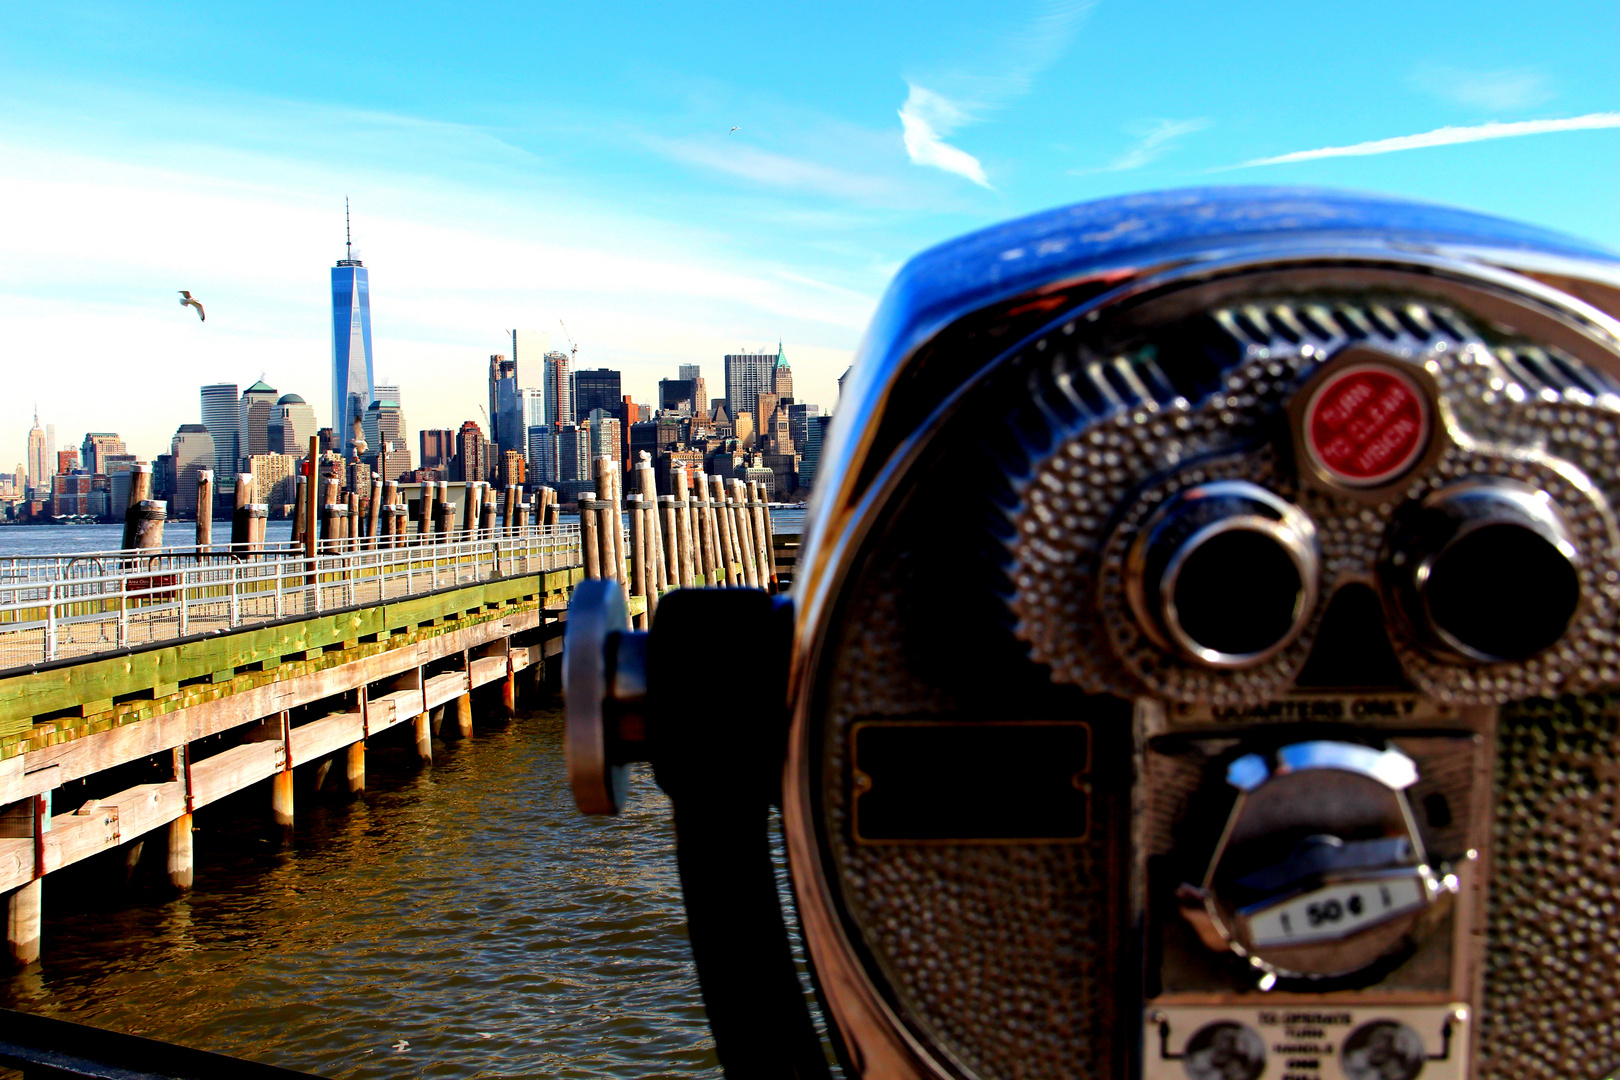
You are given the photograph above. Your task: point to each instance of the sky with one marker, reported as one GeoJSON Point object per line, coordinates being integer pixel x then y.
{"type": "Point", "coordinates": [676, 182]}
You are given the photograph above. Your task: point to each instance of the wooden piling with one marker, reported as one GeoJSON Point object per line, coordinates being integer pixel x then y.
{"type": "Point", "coordinates": [486, 517]}
{"type": "Point", "coordinates": [312, 507]}
{"type": "Point", "coordinates": [205, 509]}
{"type": "Point", "coordinates": [687, 561]}
{"type": "Point", "coordinates": [425, 522]}
{"type": "Point", "coordinates": [375, 514]}
{"type": "Point", "coordinates": [638, 555]}
{"type": "Point", "coordinates": [140, 490]}
{"type": "Point", "coordinates": [509, 692]}
{"type": "Point", "coordinates": [353, 522]}
{"type": "Point", "coordinates": [281, 798]}
{"type": "Point", "coordinates": [464, 724]}
{"type": "Point", "coordinates": [757, 516]}
{"type": "Point", "coordinates": [240, 514]}
{"type": "Point", "coordinates": [355, 767]}
{"type": "Point", "coordinates": [745, 531]}
{"type": "Point", "coordinates": [732, 569]}
{"type": "Point", "coordinates": [551, 508]}
{"type": "Point", "coordinates": [611, 525]}
{"type": "Point", "coordinates": [22, 923]}
{"type": "Point", "coordinates": [444, 514]}
{"type": "Point", "coordinates": [424, 738]}
{"type": "Point", "coordinates": [588, 544]}
{"type": "Point", "coordinates": [391, 523]}
{"type": "Point", "coordinates": [707, 549]}
{"type": "Point", "coordinates": [509, 504]}
{"type": "Point", "coordinates": [148, 517]}
{"type": "Point", "coordinates": [652, 531]}
{"type": "Point", "coordinates": [181, 855]}
{"type": "Point", "coordinates": [770, 549]}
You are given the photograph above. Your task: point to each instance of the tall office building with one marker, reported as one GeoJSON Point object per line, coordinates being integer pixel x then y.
{"type": "Point", "coordinates": [782, 375]}
{"type": "Point", "coordinates": [190, 452]}
{"type": "Point", "coordinates": [438, 446]}
{"type": "Point", "coordinates": [542, 454]}
{"type": "Point", "coordinates": [749, 375]}
{"type": "Point", "coordinates": [385, 427]}
{"type": "Point", "coordinates": [253, 415]}
{"type": "Point", "coordinates": [220, 411]}
{"type": "Point", "coordinates": [50, 451]}
{"type": "Point", "coordinates": [559, 389]}
{"type": "Point", "coordinates": [529, 349]}
{"type": "Point", "coordinates": [677, 396]}
{"type": "Point", "coordinates": [97, 446]}
{"type": "Point", "coordinates": [693, 373]}
{"type": "Point", "coordinates": [503, 384]}
{"type": "Point", "coordinates": [799, 423]}
{"type": "Point", "coordinates": [39, 469]}
{"type": "Point", "coordinates": [472, 452]}
{"type": "Point", "coordinates": [351, 345]}
{"type": "Point", "coordinates": [387, 392]}
{"type": "Point", "coordinates": [534, 406]}
{"type": "Point", "coordinates": [815, 437]}
{"type": "Point", "coordinates": [292, 423]}
{"type": "Point", "coordinates": [574, 459]}
{"type": "Point", "coordinates": [598, 389]}
{"type": "Point", "coordinates": [606, 439]}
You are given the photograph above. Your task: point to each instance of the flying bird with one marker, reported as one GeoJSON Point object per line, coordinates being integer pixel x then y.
{"type": "Point", "coordinates": [187, 301]}
{"type": "Point", "coordinates": [734, 130]}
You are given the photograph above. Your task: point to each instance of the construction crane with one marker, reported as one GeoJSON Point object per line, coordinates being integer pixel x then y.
{"type": "Point", "coordinates": [573, 350]}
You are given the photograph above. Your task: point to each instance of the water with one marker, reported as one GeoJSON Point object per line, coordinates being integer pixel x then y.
{"type": "Point", "coordinates": [66, 539]}
{"type": "Point", "coordinates": [467, 910]}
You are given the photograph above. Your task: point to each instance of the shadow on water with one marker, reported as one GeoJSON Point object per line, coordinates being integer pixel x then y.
{"type": "Point", "coordinates": [465, 910]}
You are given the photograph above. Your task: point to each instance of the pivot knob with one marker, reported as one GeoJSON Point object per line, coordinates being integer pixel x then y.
{"type": "Point", "coordinates": [1483, 571]}
{"type": "Point", "coordinates": [1224, 573]}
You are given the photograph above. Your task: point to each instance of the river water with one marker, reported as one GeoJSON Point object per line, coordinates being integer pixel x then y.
{"type": "Point", "coordinates": [69, 539]}
{"type": "Point", "coordinates": [455, 921]}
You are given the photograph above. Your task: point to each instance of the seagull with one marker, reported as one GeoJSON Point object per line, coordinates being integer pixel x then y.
{"type": "Point", "coordinates": [187, 301]}
{"type": "Point", "coordinates": [734, 130]}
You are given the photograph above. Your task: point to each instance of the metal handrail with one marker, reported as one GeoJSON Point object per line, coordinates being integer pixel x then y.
{"type": "Point", "coordinates": [55, 606]}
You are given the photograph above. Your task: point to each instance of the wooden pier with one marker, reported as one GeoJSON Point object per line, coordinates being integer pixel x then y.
{"type": "Point", "coordinates": [207, 670]}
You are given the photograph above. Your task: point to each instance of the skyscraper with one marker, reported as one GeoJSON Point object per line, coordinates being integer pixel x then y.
{"type": "Point", "coordinates": [529, 349]}
{"type": "Point", "coordinates": [39, 470]}
{"type": "Point", "coordinates": [534, 406]}
{"type": "Point", "coordinates": [749, 375]}
{"type": "Point", "coordinates": [190, 453]}
{"type": "Point", "coordinates": [351, 344]}
{"type": "Point", "coordinates": [385, 426]}
{"type": "Point", "coordinates": [294, 421]}
{"type": "Point", "coordinates": [700, 389]}
{"type": "Point", "coordinates": [814, 438]}
{"type": "Point", "coordinates": [387, 392]}
{"type": "Point", "coordinates": [220, 410]}
{"type": "Point", "coordinates": [782, 375]}
{"type": "Point", "coordinates": [472, 454]}
{"type": "Point", "coordinates": [559, 388]}
{"type": "Point", "coordinates": [503, 394]}
{"type": "Point", "coordinates": [253, 415]}
{"type": "Point", "coordinates": [597, 389]}
{"type": "Point", "coordinates": [438, 446]}
{"type": "Point", "coordinates": [97, 446]}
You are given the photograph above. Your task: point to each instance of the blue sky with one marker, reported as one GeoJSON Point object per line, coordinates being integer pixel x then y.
{"type": "Point", "coordinates": [516, 164]}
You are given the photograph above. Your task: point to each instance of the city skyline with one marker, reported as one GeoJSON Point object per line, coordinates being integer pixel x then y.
{"type": "Point", "coordinates": [618, 201]}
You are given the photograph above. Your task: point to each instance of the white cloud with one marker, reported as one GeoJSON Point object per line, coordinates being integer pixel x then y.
{"type": "Point", "coordinates": [925, 119]}
{"type": "Point", "coordinates": [1158, 137]}
{"type": "Point", "coordinates": [1494, 90]}
{"type": "Point", "coordinates": [999, 71]}
{"type": "Point", "coordinates": [1446, 136]}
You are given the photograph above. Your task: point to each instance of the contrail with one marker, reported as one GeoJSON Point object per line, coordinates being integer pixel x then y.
{"type": "Point", "coordinates": [1447, 136]}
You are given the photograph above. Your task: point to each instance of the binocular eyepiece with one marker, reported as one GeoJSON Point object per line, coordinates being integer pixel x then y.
{"type": "Point", "coordinates": [1199, 665]}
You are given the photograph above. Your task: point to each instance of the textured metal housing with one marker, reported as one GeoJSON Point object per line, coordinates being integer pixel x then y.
{"type": "Point", "coordinates": [1006, 961]}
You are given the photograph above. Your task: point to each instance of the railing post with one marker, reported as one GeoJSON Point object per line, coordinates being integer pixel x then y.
{"type": "Point", "coordinates": [50, 620]}
{"type": "Point", "coordinates": [123, 609]}
{"type": "Point", "coordinates": [280, 599]}
{"type": "Point", "coordinates": [236, 602]}
{"type": "Point", "coordinates": [184, 621]}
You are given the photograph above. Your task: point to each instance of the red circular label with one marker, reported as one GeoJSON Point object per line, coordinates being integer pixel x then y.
{"type": "Point", "coordinates": [1367, 424]}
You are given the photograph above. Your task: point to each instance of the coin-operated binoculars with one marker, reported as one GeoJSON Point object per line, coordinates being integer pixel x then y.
{"type": "Point", "coordinates": [1196, 668]}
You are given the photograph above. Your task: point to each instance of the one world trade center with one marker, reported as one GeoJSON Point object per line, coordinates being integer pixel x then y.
{"type": "Point", "coordinates": [351, 345]}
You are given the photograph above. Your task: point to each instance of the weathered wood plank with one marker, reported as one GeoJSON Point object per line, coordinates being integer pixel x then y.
{"type": "Point", "coordinates": [27, 694]}
{"type": "Point", "coordinates": [446, 687]}
{"type": "Point", "coordinates": [216, 777]}
{"type": "Point", "coordinates": [322, 737]}
{"type": "Point", "coordinates": [103, 750]}
{"type": "Point", "coordinates": [487, 670]}
{"type": "Point", "coordinates": [16, 862]}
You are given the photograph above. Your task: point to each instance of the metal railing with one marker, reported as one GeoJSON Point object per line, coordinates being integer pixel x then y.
{"type": "Point", "coordinates": [59, 606]}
